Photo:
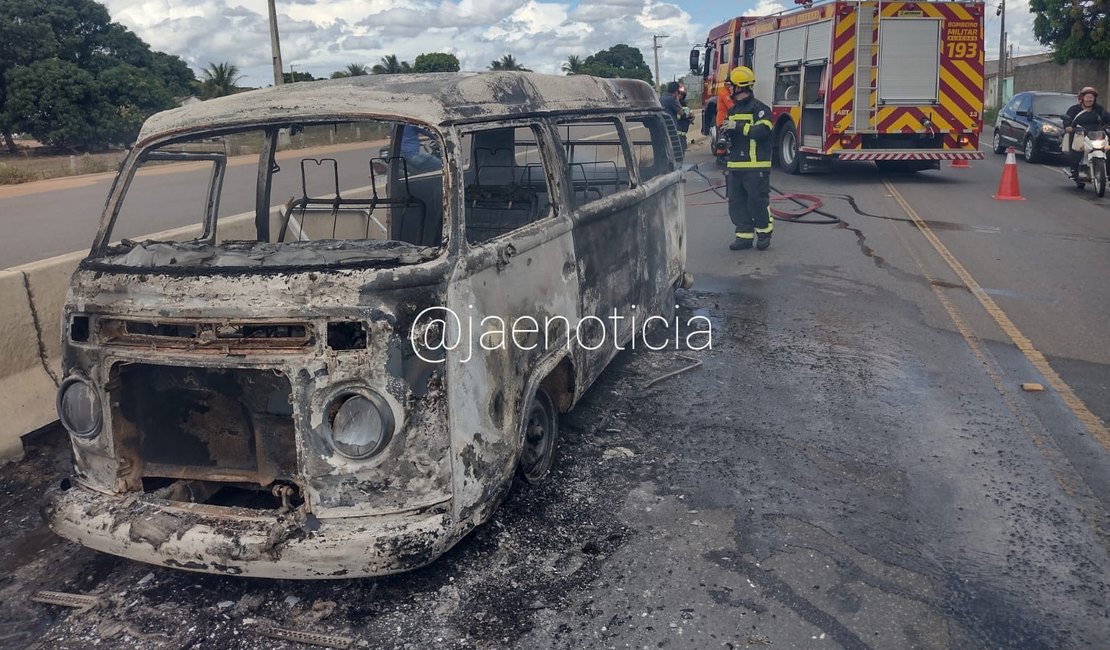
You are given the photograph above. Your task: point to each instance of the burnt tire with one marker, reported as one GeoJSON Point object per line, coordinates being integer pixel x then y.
{"type": "Point", "coordinates": [787, 149]}
{"type": "Point", "coordinates": [538, 437]}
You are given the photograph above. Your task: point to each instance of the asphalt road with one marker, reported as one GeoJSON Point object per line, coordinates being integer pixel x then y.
{"type": "Point", "coordinates": [854, 464]}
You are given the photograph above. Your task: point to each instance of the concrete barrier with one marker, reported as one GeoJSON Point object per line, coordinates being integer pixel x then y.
{"type": "Point", "coordinates": [31, 300]}
{"type": "Point", "coordinates": [26, 381]}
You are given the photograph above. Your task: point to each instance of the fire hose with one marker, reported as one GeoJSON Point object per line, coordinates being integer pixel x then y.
{"type": "Point", "coordinates": [809, 204]}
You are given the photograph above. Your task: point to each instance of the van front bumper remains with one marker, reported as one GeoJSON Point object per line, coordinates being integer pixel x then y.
{"type": "Point", "coordinates": [245, 542]}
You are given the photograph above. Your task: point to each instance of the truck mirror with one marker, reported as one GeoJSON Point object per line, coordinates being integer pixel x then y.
{"type": "Point", "coordinates": [695, 60]}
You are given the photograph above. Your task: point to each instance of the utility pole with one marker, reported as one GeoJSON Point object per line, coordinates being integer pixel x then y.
{"type": "Point", "coordinates": [275, 46]}
{"type": "Point", "coordinates": [655, 47]}
{"type": "Point", "coordinates": [1001, 53]}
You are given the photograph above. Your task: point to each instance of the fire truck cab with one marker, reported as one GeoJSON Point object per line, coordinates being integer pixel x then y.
{"type": "Point", "coordinates": [897, 83]}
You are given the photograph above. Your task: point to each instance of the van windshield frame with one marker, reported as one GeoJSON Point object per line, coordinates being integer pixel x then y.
{"type": "Point", "coordinates": [254, 234]}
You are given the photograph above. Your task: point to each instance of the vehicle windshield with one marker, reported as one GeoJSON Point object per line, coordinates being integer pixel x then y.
{"type": "Point", "coordinates": [1057, 105]}
{"type": "Point", "coordinates": [364, 193]}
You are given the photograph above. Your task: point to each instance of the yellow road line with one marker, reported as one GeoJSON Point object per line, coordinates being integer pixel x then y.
{"type": "Point", "coordinates": [1091, 421]}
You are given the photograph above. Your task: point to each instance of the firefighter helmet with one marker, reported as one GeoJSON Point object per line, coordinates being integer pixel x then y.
{"type": "Point", "coordinates": [1087, 89]}
{"type": "Point", "coordinates": [742, 77]}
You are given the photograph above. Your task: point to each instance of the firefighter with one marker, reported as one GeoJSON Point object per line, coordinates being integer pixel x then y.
{"type": "Point", "coordinates": [747, 133]}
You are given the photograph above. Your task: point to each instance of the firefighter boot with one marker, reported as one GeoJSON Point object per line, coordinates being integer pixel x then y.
{"type": "Point", "coordinates": [742, 241]}
{"type": "Point", "coordinates": [763, 236]}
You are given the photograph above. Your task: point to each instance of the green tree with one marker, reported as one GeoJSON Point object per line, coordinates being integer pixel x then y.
{"type": "Point", "coordinates": [219, 80]}
{"type": "Point", "coordinates": [618, 62]}
{"type": "Point", "coordinates": [391, 65]}
{"type": "Point", "coordinates": [507, 62]}
{"type": "Point", "coordinates": [79, 33]}
{"type": "Point", "coordinates": [177, 76]}
{"type": "Point", "coordinates": [1074, 29]}
{"type": "Point", "coordinates": [436, 62]}
{"type": "Point", "coordinates": [573, 65]}
{"type": "Point", "coordinates": [356, 70]}
{"type": "Point", "coordinates": [60, 104]}
{"type": "Point", "coordinates": [294, 77]}
{"type": "Point", "coordinates": [133, 95]}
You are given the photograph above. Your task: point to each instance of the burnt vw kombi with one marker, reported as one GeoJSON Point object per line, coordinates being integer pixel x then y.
{"type": "Point", "coordinates": [324, 324]}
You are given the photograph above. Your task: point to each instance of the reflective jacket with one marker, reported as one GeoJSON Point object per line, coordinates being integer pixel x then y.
{"type": "Point", "coordinates": [750, 136]}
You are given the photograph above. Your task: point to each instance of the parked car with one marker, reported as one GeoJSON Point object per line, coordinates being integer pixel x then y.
{"type": "Point", "coordinates": [1033, 122]}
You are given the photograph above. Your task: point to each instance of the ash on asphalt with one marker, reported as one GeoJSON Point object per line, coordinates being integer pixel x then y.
{"type": "Point", "coordinates": [541, 551]}
{"type": "Point", "coordinates": [807, 483]}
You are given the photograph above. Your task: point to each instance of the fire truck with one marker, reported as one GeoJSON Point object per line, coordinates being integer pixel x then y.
{"type": "Point", "coordinates": [897, 83]}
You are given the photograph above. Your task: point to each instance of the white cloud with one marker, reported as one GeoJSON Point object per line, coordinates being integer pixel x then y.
{"type": "Point", "coordinates": [320, 36]}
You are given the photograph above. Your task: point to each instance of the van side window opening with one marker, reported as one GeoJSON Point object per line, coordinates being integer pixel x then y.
{"type": "Point", "coordinates": [650, 144]}
{"type": "Point", "coordinates": [330, 183]}
{"type": "Point", "coordinates": [723, 54]}
{"type": "Point", "coordinates": [597, 163]}
{"type": "Point", "coordinates": [505, 183]}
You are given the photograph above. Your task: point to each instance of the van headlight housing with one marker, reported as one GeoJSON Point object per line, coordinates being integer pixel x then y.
{"type": "Point", "coordinates": [79, 407]}
{"type": "Point", "coordinates": [359, 423]}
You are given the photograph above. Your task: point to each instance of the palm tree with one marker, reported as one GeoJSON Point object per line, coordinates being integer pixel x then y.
{"type": "Point", "coordinates": [573, 65]}
{"type": "Point", "coordinates": [219, 80]}
{"type": "Point", "coordinates": [390, 65]}
{"type": "Point", "coordinates": [507, 62]}
{"type": "Point", "coordinates": [356, 70]}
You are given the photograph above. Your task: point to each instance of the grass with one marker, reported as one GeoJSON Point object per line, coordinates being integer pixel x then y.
{"type": "Point", "coordinates": [35, 164]}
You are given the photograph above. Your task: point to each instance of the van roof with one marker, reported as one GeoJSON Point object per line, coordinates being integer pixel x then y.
{"type": "Point", "coordinates": [433, 98]}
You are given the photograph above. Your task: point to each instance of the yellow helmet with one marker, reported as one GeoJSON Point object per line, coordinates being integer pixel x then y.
{"type": "Point", "coordinates": [742, 77]}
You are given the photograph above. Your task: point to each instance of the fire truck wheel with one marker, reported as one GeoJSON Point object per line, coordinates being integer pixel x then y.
{"type": "Point", "coordinates": [788, 148]}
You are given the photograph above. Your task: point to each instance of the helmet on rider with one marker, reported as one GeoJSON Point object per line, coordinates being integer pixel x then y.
{"type": "Point", "coordinates": [742, 78]}
{"type": "Point", "coordinates": [1088, 90]}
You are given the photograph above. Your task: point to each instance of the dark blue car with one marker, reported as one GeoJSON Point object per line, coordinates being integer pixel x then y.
{"type": "Point", "coordinates": [1032, 122]}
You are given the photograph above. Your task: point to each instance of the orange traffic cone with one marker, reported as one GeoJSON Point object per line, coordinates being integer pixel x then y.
{"type": "Point", "coordinates": [1008, 189]}
{"type": "Point", "coordinates": [960, 163]}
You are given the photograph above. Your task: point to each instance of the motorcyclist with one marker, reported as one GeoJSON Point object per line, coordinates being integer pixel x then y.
{"type": "Point", "coordinates": [1086, 115]}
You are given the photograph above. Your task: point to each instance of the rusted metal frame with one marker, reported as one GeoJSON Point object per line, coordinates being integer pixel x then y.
{"type": "Point", "coordinates": [266, 164]}
{"type": "Point", "coordinates": [112, 206]}
{"type": "Point", "coordinates": [113, 331]}
{"type": "Point", "coordinates": [215, 183]}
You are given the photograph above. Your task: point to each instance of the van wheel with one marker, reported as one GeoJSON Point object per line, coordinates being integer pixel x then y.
{"type": "Point", "coordinates": [789, 160]}
{"type": "Point", "coordinates": [538, 438]}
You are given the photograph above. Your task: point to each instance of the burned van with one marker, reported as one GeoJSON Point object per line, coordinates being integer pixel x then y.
{"type": "Point", "coordinates": [323, 325]}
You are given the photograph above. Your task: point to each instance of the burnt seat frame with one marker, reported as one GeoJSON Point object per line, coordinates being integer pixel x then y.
{"type": "Point", "coordinates": [365, 206]}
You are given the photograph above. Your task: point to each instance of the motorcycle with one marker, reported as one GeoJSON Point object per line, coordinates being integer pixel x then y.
{"type": "Point", "coordinates": [1092, 169]}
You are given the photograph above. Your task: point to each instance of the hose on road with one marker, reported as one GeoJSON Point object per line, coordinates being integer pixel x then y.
{"type": "Point", "coordinates": [810, 204]}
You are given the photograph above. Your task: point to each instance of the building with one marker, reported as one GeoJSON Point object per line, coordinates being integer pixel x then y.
{"type": "Point", "coordinates": [990, 74]}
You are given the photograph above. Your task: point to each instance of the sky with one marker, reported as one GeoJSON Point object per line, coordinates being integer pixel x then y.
{"type": "Point", "coordinates": [323, 36]}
